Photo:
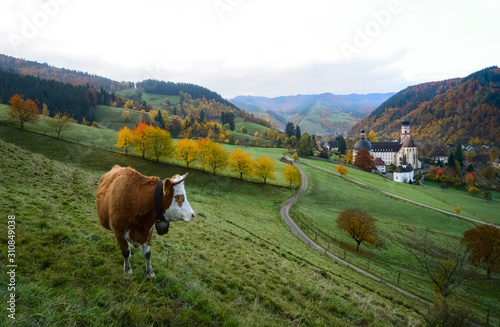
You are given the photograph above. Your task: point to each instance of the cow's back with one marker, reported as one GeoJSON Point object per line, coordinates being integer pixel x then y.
{"type": "Point", "coordinates": [122, 195]}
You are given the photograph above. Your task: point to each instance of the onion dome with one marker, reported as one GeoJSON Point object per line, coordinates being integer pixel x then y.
{"type": "Point", "coordinates": [362, 143]}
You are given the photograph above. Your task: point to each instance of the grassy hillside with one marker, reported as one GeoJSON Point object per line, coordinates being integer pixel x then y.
{"type": "Point", "coordinates": [328, 195]}
{"type": "Point", "coordinates": [236, 264]}
{"type": "Point", "coordinates": [110, 117]}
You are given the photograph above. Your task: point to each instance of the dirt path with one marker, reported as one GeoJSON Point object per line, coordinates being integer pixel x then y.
{"type": "Point", "coordinates": [284, 211]}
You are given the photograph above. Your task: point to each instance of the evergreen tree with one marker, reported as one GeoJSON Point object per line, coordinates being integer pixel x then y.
{"type": "Point", "coordinates": [289, 129]}
{"type": "Point", "coordinates": [159, 120]}
{"type": "Point", "coordinates": [202, 117]}
{"type": "Point", "coordinates": [297, 132]}
{"type": "Point", "coordinates": [459, 155]}
{"type": "Point", "coordinates": [451, 160]}
{"type": "Point", "coordinates": [342, 144]}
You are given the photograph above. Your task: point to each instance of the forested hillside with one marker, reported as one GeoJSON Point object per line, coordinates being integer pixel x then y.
{"type": "Point", "coordinates": [171, 88]}
{"type": "Point", "coordinates": [77, 101]}
{"type": "Point", "coordinates": [452, 111]}
{"type": "Point", "coordinates": [44, 71]}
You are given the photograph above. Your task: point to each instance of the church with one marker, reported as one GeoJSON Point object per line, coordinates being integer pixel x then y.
{"type": "Point", "coordinates": [402, 154]}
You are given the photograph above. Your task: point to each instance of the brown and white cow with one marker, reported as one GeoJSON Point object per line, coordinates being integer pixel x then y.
{"type": "Point", "coordinates": [127, 206]}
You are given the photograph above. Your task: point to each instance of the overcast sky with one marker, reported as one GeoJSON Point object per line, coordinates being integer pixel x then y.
{"type": "Point", "coordinates": [257, 47]}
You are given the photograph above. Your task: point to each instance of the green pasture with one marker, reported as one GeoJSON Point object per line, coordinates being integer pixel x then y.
{"type": "Point", "coordinates": [251, 128]}
{"type": "Point", "coordinates": [472, 206]}
{"type": "Point", "coordinates": [111, 118]}
{"type": "Point", "coordinates": [328, 195]}
{"type": "Point", "coordinates": [236, 264]}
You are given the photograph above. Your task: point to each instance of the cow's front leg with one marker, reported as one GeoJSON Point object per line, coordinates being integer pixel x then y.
{"type": "Point", "coordinates": [146, 251]}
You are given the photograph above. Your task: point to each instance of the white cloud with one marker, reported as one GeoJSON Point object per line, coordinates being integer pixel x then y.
{"type": "Point", "coordinates": [259, 47]}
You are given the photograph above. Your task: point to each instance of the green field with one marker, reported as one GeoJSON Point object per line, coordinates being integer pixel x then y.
{"type": "Point", "coordinates": [474, 207]}
{"type": "Point", "coordinates": [110, 117]}
{"type": "Point", "coordinates": [328, 195]}
{"type": "Point", "coordinates": [236, 264]}
{"type": "Point", "coordinates": [155, 100]}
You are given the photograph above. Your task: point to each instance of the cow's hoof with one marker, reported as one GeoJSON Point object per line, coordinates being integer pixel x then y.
{"type": "Point", "coordinates": [151, 275]}
{"type": "Point", "coordinates": [128, 272]}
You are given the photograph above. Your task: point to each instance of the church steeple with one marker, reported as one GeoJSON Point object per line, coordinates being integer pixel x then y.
{"type": "Point", "coordinates": [405, 129]}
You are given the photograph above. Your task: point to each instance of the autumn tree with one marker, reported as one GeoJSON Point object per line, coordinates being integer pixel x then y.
{"type": "Point", "coordinates": [342, 170]}
{"type": "Point", "coordinates": [241, 162]}
{"type": "Point", "coordinates": [125, 139]}
{"type": "Point", "coordinates": [159, 143]}
{"type": "Point", "coordinates": [483, 242]}
{"type": "Point", "coordinates": [363, 159]}
{"type": "Point", "coordinates": [360, 225]}
{"type": "Point", "coordinates": [187, 150]}
{"type": "Point", "coordinates": [45, 110]}
{"type": "Point", "coordinates": [140, 141]}
{"type": "Point", "coordinates": [494, 152]}
{"type": "Point", "coordinates": [265, 167]}
{"type": "Point", "coordinates": [23, 111]}
{"type": "Point", "coordinates": [202, 151]}
{"type": "Point", "coordinates": [372, 137]}
{"type": "Point", "coordinates": [125, 116]}
{"type": "Point", "coordinates": [292, 175]}
{"type": "Point", "coordinates": [216, 156]}
{"type": "Point", "coordinates": [59, 123]}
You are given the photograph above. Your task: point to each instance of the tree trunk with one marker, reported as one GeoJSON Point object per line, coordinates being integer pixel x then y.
{"type": "Point", "coordinates": [357, 247]}
{"type": "Point", "coordinates": [241, 175]}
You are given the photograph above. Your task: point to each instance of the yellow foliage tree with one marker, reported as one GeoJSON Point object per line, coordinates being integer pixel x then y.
{"type": "Point", "coordinates": [349, 157]}
{"type": "Point", "coordinates": [125, 116]}
{"type": "Point", "coordinates": [216, 156]}
{"type": "Point", "coordinates": [295, 156]}
{"type": "Point", "coordinates": [202, 151]}
{"type": "Point", "coordinates": [265, 167]}
{"type": "Point", "coordinates": [152, 114]}
{"type": "Point", "coordinates": [187, 151]}
{"type": "Point", "coordinates": [241, 162]}
{"type": "Point", "coordinates": [140, 144]}
{"type": "Point", "coordinates": [159, 143]}
{"type": "Point", "coordinates": [372, 137]}
{"type": "Point", "coordinates": [292, 175]}
{"type": "Point", "coordinates": [342, 170]}
{"type": "Point", "coordinates": [125, 138]}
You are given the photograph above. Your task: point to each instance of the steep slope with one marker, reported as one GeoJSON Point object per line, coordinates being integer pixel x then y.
{"type": "Point", "coordinates": [455, 110]}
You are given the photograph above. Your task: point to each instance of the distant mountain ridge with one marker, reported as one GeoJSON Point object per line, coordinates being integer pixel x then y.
{"type": "Point", "coordinates": [315, 113]}
{"type": "Point", "coordinates": [451, 111]}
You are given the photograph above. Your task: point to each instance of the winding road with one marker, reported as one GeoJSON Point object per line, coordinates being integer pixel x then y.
{"type": "Point", "coordinates": [284, 212]}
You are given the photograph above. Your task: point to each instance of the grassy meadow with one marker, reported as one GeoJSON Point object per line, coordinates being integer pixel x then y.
{"type": "Point", "coordinates": [472, 206]}
{"type": "Point", "coordinates": [328, 195]}
{"type": "Point", "coordinates": [236, 264]}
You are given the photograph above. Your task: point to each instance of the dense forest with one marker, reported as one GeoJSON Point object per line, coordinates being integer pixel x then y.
{"type": "Point", "coordinates": [77, 101]}
{"type": "Point", "coordinates": [451, 111]}
{"type": "Point", "coordinates": [44, 71]}
{"type": "Point", "coordinates": [170, 88]}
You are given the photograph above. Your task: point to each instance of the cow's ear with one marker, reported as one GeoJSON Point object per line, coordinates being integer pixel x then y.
{"type": "Point", "coordinates": [179, 179]}
{"type": "Point", "coordinates": [167, 185]}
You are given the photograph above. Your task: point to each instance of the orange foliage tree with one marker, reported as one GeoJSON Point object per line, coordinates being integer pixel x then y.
{"type": "Point", "coordinates": [363, 159]}
{"type": "Point", "coordinates": [360, 225]}
{"type": "Point", "coordinates": [23, 111]}
{"type": "Point", "coordinates": [342, 170]}
{"type": "Point", "coordinates": [483, 242]}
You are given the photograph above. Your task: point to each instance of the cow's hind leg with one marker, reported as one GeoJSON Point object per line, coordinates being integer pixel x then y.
{"type": "Point", "coordinates": [125, 248]}
{"type": "Point", "coordinates": [146, 251]}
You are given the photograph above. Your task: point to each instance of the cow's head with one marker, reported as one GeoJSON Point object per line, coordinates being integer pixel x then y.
{"type": "Point", "coordinates": [179, 208]}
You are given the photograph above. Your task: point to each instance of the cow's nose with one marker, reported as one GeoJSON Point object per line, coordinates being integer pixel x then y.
{"type": "Point", "coordinates": [192, 215]}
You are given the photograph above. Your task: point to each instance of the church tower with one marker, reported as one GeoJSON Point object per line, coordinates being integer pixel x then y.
{"type": "Point", "coordinates": [405, 129]}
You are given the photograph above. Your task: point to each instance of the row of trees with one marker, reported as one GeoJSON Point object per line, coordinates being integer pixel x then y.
{"type": "Point", "coordinates": [155, 142]}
